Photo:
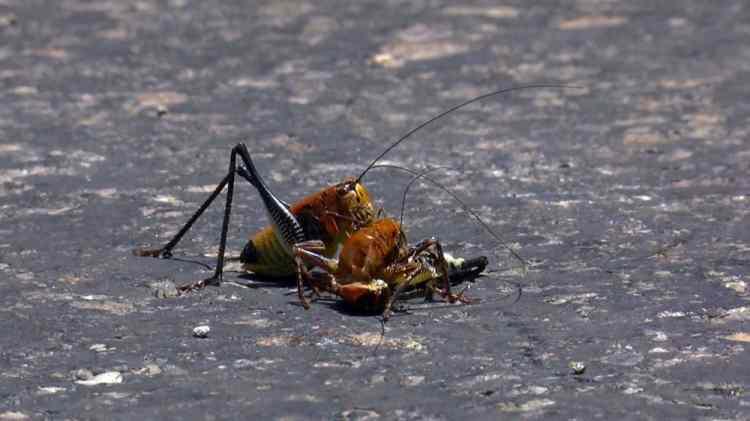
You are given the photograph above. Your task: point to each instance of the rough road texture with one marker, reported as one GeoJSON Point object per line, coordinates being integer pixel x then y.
{"type": "Point", "coordinates": [629, 196]}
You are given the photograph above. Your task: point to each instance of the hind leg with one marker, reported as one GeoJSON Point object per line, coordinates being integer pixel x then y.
{"type": "Point", "coordinates": [166, 250]}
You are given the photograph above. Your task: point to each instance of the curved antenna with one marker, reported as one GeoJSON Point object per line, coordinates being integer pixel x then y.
{"type": "Point", "coordinates": [457, 107]}
{"type": "Point", "coordinates": [411, 182]}
{"type": "Point", "coordinates": [466, 209]}
{"type": "Point", "coordinates": [394, 167]}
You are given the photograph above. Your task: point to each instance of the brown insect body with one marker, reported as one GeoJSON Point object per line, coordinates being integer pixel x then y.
{"type": "Point", "coordinates": [330, 215]}
{"type": "Point", "coordinates": [375, 264]}
{"type": "Point", "coordinates": [365, 255]}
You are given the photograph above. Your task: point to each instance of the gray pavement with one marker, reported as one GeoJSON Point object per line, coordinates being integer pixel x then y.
{"type": "Point", "coordinates": [630, 197]}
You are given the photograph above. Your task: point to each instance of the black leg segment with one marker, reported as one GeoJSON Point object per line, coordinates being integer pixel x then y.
{"type": "Point", "coordinates": [228, 182]}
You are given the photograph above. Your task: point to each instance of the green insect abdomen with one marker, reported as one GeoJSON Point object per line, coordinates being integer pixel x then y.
{"type": "Point", "coordinates": [266, 256]}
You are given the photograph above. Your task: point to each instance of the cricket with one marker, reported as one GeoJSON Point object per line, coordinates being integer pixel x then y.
{"type": "Point", "coordinates": [362, 257]}
{"type": "Point", "coordinates": [376, 265]}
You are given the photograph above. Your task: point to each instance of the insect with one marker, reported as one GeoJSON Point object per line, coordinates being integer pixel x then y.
{"type": "Point", "coordinates": [376, 265]}
{"type": "Point", "coordinates": [374, 260]}
{"type": "Point", "coordinates": [319, 223]}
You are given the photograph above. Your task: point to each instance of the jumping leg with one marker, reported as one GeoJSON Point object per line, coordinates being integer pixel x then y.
{"type": "Point", "coordinates": [219, 270]}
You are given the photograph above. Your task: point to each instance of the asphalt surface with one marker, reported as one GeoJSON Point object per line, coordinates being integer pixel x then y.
{"type": "Point", "coordinates": [628, 196]}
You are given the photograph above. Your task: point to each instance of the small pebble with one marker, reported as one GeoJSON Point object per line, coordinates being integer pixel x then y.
{"type": "Point", "coordinates": [242, 363]}
{"type": "Point", "coordinates": [49, 390]}
{"type": "Point", "coordinates": [377, 379]}
{"type": "Point", "coordinates": [360, 415]}
{"type": "Point", "coordinates": [411, 381]}
{"type": "Point", "coordinates": [13, 415]}
{"type": "Point", "coordinates": [201, 331]}
{"type": "Point", "coordinates": [83, 374]}
{"type": "Point", "coordinates": [577, 367]}
{"type": "Point", "coordinates": [150, 369]}
{"type": "Point", "coordinates": [110, 377]}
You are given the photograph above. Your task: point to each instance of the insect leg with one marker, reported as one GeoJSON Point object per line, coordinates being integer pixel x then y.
{"type": "Point", "coordinates": [322, 281]}
{"type": "Point", "coordinates": [166, 250]}
{"type": "Point", "coordinates": [437, 252]}
{"type": "Point", "coordinates": [411, 269]}
{"type": "Point", "coordinates": [219, 270]}
{"type": "Point", "coordinates": [307, 252]}
{"type": "Point", "coordinates": [366, 297]}
{"type": "Point", "coordinates": [356, 223]}
{"type": "Point", "coordinates": [432, 243]}
{"type": "Point", "coordinates": [281, 217]}
{"type": "Point", "coordinates": [286, 225]}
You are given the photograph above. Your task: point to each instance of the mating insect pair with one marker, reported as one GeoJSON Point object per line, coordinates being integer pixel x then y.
{"type": "Point", "coordinates": [375, 263]}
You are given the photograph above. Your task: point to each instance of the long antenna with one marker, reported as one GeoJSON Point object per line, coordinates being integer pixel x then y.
{"type": "Point", "coordinates": [465, 207]}
{"type": "Point", "coordinates": [457, 107]}
{"type": "Point", "coordinates": [411, 182]}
